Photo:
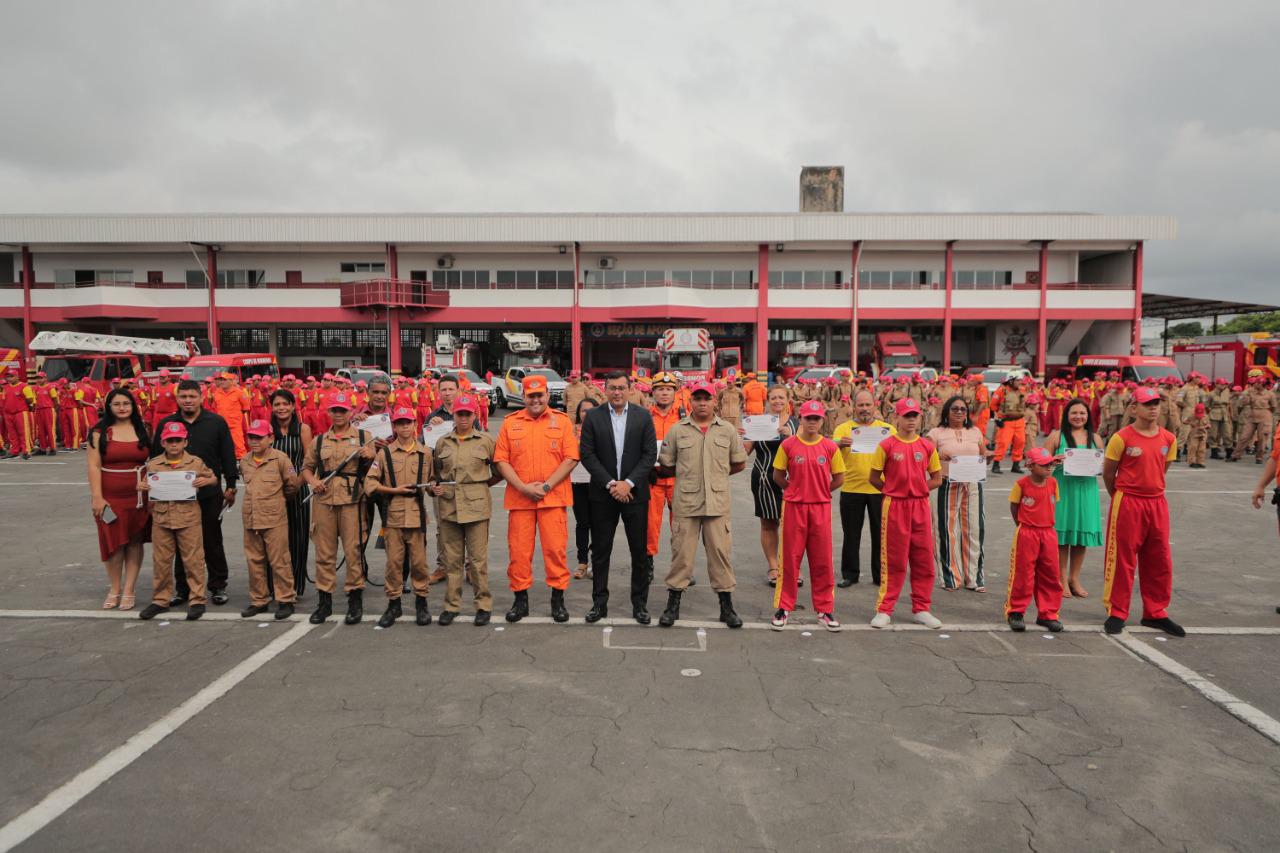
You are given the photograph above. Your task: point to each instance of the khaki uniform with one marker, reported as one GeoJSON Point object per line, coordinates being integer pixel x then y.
{"type": "Point", "coordinates": [1221, 428]}
{"type": "Point", "coordinates": [574, 393]}
{"type": "Point", "coordinates": [1170, 417]}
{"type": "Point", "coordinates": [464, 511]}
{"type": "Point", "coordinates": [175, 529]}
{"type": "Point", "coordinates": [701, 503]}
{"type": "Point", "coordinates": [729, 404]}
{"type": "Point", "coordinates": [1259, 420]}
{"type": "Point", "coordinates": [336, 514]}
{"type": "Point", "coordinates": [406, 515]}
{"type": "Point", "coordinates": [266, 525]}
{"type": "Point", "coordinates": [1192, 393]}
{"type": "Point", "coordinates": [1197, 439]}
{"type": "Point", "coordinates": [1111, 408]}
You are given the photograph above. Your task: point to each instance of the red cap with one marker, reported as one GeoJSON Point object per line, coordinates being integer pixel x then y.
{"type": "Point", "coordinates": [340, 401]}
{"type": "Point", "coordinates": [42, 375]}
{"type": "Point", "coordinates": [173, 429]}
{"type": "Point", "coordinates": [328, 376]}
{"type": "Point", "coordinates": [1039, 456]}
{"type": "Point", "coordinates": [534, 384]}
{"type": "Point", "coordinates": [812, 408]}
{"type": "Point", "coordinates": [704, 387]}
{"type": "Point", "coordinates": [1199, 409]}
{"type": "Point", "coordinates": [259, 428]}
{"type": "Point", "coordinates": [905, 406]}
{"type": "Point", "coordinates": [466, 403]}
{"type": "Point", "coordinates": [164, 371]}
{"type": "Point", "coordinates": [402, 413]}
{"type": "Point", "coordinates": [1236, 388]}
{"type": "Point", "coordinates": [1145, 394]}
{"type": "Point", "coordinates": [1221, 380]}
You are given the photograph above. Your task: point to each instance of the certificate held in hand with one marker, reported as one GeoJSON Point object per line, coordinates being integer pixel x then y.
{"type": "Point", "coordinates": [1082, 462]}
{"type": "Point", "coordinates": [867, 438]}
{"type": "Point", "coordinates": [172, 485]}
{"type": "Point", "coordinates": [760, 428]}
{"type": "Point", "coordinates": [967, 469]}
{"type": "Point", "coordinates": [431, 435]}
{"type": "Point", "coordinates": [377, 426]}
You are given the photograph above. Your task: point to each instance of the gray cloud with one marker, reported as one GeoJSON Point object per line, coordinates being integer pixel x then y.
{"type": "Point", "coordinates": [574, 105]}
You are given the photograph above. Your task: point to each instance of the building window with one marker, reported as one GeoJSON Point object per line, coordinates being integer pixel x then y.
{"type": "Point", "coordinates": [196, 279]}
{"type": "Point", "coordinates": [90, 278]}
{"type": "Point", "coordinates": [363, 266]}
{"type": "Point", "coordinates": [983, 279]}
{"type": "Point", "coordinates": [714, 279]}
{"type": "Point", "coordinates": [245, 340]}
{"type": "Point", "coordinates": [241, 278]}
{"type": "Point", "coordinates": [806, 279]}
{"type": "Point", "coordinates": [370, 338]}
{"type": "Point", "coordinates": [299, 340]}
{"type": "Point", "coordinates": [460, 280]}
{"type": "Point", "coordinates": [534, 279]}
{"type": "Point", "coordinates": [411, 338]}
{"type": "Point", "coordinates": [335, 338]}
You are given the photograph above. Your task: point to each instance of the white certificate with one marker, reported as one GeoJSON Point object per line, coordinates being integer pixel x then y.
{"type": "Point", "coordinates": [967, 469]}
{"type": "Point", "coordinates": [867, 439]}
{"type": "Point", "coordinates": [172, 485]}
{"type": "Point", "coordinates": [655, 459]}
{"type": "Point", "coordinates": [1082, 462]}
{"type": "Point", "coordinates": [431, 435]}
{"type": "Point", "coordinates": [378, 426]}
{"type": "Point", "coordinates": [760, 427]}
{"type": "Point", "coordinates": [580, 474]}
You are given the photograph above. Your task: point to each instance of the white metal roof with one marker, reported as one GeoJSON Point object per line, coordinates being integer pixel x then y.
{"type": "Point", "coordinates": [568, 227]}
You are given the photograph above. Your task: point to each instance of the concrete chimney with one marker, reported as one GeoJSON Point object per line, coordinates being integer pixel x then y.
{"type": "Point", "coordinates": [822, 189]}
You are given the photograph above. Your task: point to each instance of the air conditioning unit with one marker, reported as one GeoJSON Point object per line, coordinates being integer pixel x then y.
{"type": "Point", "coordinates": [607, 263]}
{"type": "Point", "coordinates": [444, 262]}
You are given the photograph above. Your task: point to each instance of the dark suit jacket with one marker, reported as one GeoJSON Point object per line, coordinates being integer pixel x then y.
{"type": "Point", "coordinates": [599, 455]}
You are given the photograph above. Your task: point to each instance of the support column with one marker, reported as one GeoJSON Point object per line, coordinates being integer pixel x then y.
{"type": "Point", "coordinates": [762, 312]}
{"type": "Point", "coordinates": [1137, 299]}
{"type": "Point", "coordinates": [28, 327]}
{"type": "Point", "coordinates": [853, 286]}
{"type": "Point", "coordinates": [211, 274]}
{"type": "Point", "coordinates": [948, 273]}
{"type": "Point", "coordinates": [575, 323]}
{"type": "Point", "coordinates": [393, 312]}
{"type": "Point", "coordinates": [1042, 319]}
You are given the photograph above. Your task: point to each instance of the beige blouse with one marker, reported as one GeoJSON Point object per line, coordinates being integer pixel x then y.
{"type": "Point", "coordinates": [955, 442]}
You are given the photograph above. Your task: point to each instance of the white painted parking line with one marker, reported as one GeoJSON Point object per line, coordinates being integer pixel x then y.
{"type": "Point", "coordinates": [86, 782]}
{"type": "Point", "coordinates": [1255, 719]}
{"type": "Point", "coordinates": [607, 634]}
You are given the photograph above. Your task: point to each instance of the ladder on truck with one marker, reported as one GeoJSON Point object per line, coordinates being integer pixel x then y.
{"type": "Point", "coordinates": [91, 342]}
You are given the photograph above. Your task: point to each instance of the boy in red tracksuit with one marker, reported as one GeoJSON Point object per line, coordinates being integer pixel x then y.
{"type": "Point", "coordinates": [808, 468]}
{"type": "Point", "coordinates": [1033, 561]}
{"type": "Point", "coordinates": [1136, 460]}
{"type": "Point", "coordinates": [905, 468]}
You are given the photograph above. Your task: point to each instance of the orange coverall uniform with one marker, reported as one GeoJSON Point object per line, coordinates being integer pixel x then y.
{"type": "Point", "coordinates": [661, 489]}
{"type": "Point", "coordinates": [233, 406]}
{"type": "Point", "coordinates": [534, 448]}
{"type": "Point", "coordinates": [753, 397]}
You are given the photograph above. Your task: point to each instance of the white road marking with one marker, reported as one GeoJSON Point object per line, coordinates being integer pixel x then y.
{"type": "Point", "coordinates": [607, 633]}
{"type": "Point", "coordinates": [1255, 719]}
{"type": "Point", "coordinates": [1009, 647]}
{"type": "Point", "coordinates": [87, 781]}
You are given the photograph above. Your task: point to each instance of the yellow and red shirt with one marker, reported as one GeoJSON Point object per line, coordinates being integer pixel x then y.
{"type": "Point", "coordinates": [810, 466]}
{"type": "Point", "coordinates": [1036, 503]}
{"type": "Point", "coordinates": [1142, 460]}
{"type": "Point", "coordinates": [907, 465]}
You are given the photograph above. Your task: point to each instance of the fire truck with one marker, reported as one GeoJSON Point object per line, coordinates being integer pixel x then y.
{"type": "Point", "coordinates": [690, 353]}
{"type": "Point", "coordinates": [1230, 357]}
{"type": "Point", "coordinates": [102, 358]}
{"type": "Point", "coordinates": [448, 353]}
{"type": "Point", "coordinates": [798, 357]}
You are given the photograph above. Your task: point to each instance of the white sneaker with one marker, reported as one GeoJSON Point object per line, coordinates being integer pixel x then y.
{"type": "Point", "coordinates": [829, 621]}
{"type": "Point", "coordinates": [881, 620]}
{"type": "Point", "coordinates": [779, 620]}
{"type": "Point", "coordinates": [927, 619]}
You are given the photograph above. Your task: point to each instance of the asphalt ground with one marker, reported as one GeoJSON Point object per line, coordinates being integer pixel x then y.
{"type": "Point", "coordinates": [232, 734]}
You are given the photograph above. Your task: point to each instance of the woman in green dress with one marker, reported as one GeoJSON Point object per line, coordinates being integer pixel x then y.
{"type": "Point", "coordinates": [1079, 511]}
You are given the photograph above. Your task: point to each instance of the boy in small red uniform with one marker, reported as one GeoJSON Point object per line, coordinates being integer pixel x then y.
{"type": "Point", "coordinates": [905, 468]}
{"type": "Point", "coordinates": [808, 468]}
{"type": "Point", "coordinates": [1137, 458]}
{"type": "Point", "coordinates": [1033, 562]}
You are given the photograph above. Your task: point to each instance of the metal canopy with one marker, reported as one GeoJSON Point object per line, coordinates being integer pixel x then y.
{"type": "Point", "coordinates": [1157, 306]}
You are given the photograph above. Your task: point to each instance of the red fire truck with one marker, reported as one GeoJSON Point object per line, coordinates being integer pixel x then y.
{"type": "Point", "coordinates": [1230, 357]}
{"type": "Point", "coordinates": [690, 353]}
{"type": "Point", "coordinates": [102, 358]}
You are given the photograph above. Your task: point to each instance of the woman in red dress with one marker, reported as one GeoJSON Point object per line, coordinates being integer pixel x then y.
{"type": "Point", "coordinates": [119, 446]}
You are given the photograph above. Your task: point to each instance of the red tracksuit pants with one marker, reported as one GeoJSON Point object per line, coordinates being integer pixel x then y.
{"type": "Point", "coordinates": [46, 429]}
{"type": "Point", "coordinates": [1033, 565]}
{"type": "Point", "coordinates": [1138, 542]}
{"type": "Point", "coordinates": [660, 494]}
{"type": "Point", "coordinates": [19, 432]}
{"type": "Point", "coordinates": [806, 529]}
{"type": "Point", "coordinates": [906, 537]}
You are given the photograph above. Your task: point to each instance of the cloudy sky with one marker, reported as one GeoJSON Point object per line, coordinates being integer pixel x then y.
{"type": "Point", "coordinates": [558, 105]}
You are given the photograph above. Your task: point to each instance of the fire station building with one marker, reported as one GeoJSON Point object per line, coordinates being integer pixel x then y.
{"type": "Point", "coordinates": [326, 290]}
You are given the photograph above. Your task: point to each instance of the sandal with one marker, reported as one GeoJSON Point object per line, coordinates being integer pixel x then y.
{"type": "Point", "coordinates": [110, 602]}
{"type": "Point", "coordinates": [772, 580]}
{"type": "Point", "coordinates": [127, 602]}
{"type": "Point", "coordinates": [1079, 591]}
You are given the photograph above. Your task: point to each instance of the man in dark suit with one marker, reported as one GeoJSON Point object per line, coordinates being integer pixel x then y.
{"type": "Point", "coordinates": [619, 447]}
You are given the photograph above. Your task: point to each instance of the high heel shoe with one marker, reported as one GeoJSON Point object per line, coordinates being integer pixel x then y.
{"type": "Point", "coordinates": [110, 602]}
{"type": "Point", "coordinates": [127, 602]}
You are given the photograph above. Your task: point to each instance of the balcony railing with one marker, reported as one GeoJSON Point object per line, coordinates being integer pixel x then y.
{"type": "Point", "coordinates": [389, 293]}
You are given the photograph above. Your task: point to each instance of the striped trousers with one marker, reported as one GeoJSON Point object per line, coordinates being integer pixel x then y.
{"type": "Point", "coordinates": [962, 527]}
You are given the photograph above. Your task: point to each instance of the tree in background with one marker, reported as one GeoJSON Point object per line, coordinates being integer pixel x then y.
{"type": "Point", "coordinates": [1184, 330]}
{"type": "Point", "coordinates": [1247, 323]}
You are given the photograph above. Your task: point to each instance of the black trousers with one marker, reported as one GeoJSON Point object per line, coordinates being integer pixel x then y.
{"type": "Point", "coordinates": [856, 507]}
{"type": "Point", "coordinates": [215, 558]}
{"type": "Point", "coordinates": [605, 515]}
{"type": "Point", "coordinates": [582, 521]}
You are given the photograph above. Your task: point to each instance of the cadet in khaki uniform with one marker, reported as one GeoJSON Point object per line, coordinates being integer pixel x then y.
{"type": "Point", "coordinates": [333, 469]}
{"type": "Point", "coordinates": [574, 393]}
{"type": "Point", "coordinates": [1113, 405]}
{"type": "Point", "coordinates": [729, 403]}
{"type": "Point", "coordinates": [400, 474]}
{"type": "Point", "coordinates": [1193, 394]}
{"type": "Point", "coordinates": [702, 451]}
{"type": "Point", "coordinates": [1221, 434]}
{"type": "Point", "coordinates": [269, 478]}
{"type": "Point", "coordinates": [1197, 427]}
{"type": "Point", "coordinates": [1259, 409]}
{"type": "Point", "coordinates": [463, 472]}
{"type": "Point", "coordinates": [175, 526]}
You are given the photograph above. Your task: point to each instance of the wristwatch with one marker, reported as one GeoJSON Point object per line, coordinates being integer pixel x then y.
{"type": "Point", "coordinates": [546, 488]}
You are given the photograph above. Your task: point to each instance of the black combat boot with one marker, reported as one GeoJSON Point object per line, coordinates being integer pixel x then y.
{"type": "Point", "coordinates": [1016, 469]}
{"type": "Point", "coordinates": [672, 613]}
{"type": "Point", "coordinates": [355, 606]}
{"type": "Point", "coordinates": [391, 614]}
{"type": "Point", "coordinates": [727, 616]}
{"type": "Point", "coordinates": [421, 614]}
{"type": "Point", "coordinates": [995, 467]}
{"type": "Point", "coordinates": [558, 610]}
{"type": "Point", "coordinates": [324, 607]}
{"type": "Point", "coordinates": [1215, 453]}
{"type": "Point", "coordinates": [519, 607]}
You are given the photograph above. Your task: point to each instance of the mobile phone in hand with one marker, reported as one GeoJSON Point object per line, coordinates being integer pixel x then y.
{"type": "Point", "coordinates": [108, 514]}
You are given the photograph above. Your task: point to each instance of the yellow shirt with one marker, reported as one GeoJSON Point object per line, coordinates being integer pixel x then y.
{"type": "Point", "coordinates": [857, 466]}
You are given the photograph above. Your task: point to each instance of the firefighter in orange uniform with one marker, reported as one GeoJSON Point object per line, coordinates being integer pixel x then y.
{"type": "Point", "coordinates": [754, 394]}
{"type": "Point", "coordinates": [665, 414]}
{"type": "Point", "coordinates": [535, 452]}
{"type": "Point", "coordinates": [231, 402]}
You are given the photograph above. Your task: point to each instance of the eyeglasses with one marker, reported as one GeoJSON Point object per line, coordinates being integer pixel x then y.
{"type": "Point", "coordinates": [961, 409]}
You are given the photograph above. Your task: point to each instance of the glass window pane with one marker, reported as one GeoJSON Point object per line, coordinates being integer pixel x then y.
{"type": "Point", "coordinates": [506, 278]}
{"type": "Point", "coordinates": [526, 278]}
{"type": "Point", "coordinates": [879, 276]}
{"type": "Point", "coordinates": [564, 278]}
{"type": "Point", "coordinates": [792, 277]}
{"type": "Point", "coordinates": [681, 276]}
{"type": "Point", "coordinates": [634, 277]}
{"type": "Point", "coordinates": [722, 277]}
{"type": "Point", "coordinates": [701, 277]}
{"type": "Point", "coordinates": [985, 278]}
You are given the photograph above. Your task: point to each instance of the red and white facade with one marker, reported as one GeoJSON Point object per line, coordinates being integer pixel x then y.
{"type": "Point", "coordinates": [978, 288]}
